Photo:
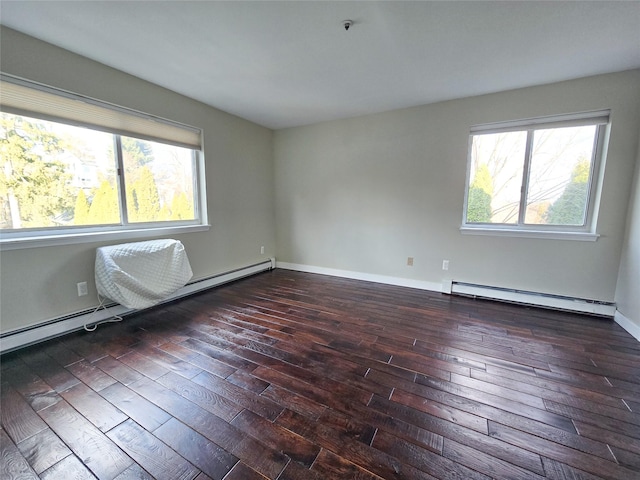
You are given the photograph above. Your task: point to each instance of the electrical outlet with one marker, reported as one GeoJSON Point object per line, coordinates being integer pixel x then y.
{"type": "Point", "coordinates": [445, 264]}
{"type": "Point", "coordinates": [262, 250]}
{"type": "Point", "coordinates": [82, 289]}
{"type": "Point", "coordinates": [410, 261]}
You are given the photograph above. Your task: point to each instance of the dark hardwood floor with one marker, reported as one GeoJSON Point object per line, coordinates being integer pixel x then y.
{"type": "Point", "coordinates": [295, 376]}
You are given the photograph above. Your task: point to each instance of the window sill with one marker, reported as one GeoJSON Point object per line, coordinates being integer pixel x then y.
{"type": "Point", "coordinates": [18, 243]}
{"type": "Point", "coordinates": [546, 234]}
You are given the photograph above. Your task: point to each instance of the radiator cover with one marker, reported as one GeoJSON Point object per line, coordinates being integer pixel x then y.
{"type": "Point", "coordinates": [537, 299]}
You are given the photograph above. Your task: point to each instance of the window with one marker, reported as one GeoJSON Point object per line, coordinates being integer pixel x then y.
{"type": "Point", "coordinates": [70, 168]}
{"type": "Point", "coordinates": [535, 176]}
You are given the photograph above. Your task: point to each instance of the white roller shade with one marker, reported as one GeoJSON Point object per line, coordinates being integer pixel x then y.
{"type": "Point", "coordinates": [23, 98]}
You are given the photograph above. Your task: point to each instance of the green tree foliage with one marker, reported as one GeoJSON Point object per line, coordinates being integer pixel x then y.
{"type": "Point", "coordinates": [81, 210]}
{"type": "Point", "coordinates": [165, 213]}
{"type": "Point", "coordinates": [181, 208]}
{"type": "Point", "coordinates": [104, 205]}
{"type": "Point", "coordinates": [34, 185]}
{"type": "Point", "coordinates": [479, 198]}
{"type": "Point", "coordinates": [143, 201]}
{"type": "Point", "coordinates": [38, 190]}
{"type": "Point", "coordinates": [569, 208]}
{"type": "Point", "coordinates": [135, 154]}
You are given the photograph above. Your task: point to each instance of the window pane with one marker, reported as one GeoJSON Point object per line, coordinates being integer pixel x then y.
{"type": "Point", "coordinates": [159, 181]}
{"type": "Point", "coordinates": [497, 162]}
{"type": "Point", "coordinates": [54, 175]}
{"type": "Point", "coordinates": [559, 175]}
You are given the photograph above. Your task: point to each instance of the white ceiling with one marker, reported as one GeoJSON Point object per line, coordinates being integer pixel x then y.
{"type": "Point", "coordinates": [283, 64]}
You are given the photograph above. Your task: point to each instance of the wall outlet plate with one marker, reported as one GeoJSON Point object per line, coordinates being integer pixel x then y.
{"type": "Point", "coordinates": [82, 289]}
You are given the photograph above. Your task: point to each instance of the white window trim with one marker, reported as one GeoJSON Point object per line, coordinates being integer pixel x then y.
{"type": "Point", "coordinates": [529, 233]}
{"type": "Point", "coordinates": [106, 234]}
{"type": "Point", "coordinates": [79, 110]}
{"type": "Point", "coordinates": [587, 232]}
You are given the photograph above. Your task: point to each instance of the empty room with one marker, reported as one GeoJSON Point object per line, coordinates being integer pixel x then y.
{"type": "Point", "coordinates": [300, 240]}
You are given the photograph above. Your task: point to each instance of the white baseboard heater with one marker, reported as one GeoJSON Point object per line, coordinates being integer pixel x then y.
{"type": "Point", "coordinates": [544, 300]}
{"type": "Point", "coordinates": [59, 326]}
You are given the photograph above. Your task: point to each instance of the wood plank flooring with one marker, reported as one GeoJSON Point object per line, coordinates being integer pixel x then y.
{"type": "Point", "coordinates": [294, 376]}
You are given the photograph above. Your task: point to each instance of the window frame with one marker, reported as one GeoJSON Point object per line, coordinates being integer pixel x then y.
{"type": "Point", "coordinates": [586, 232]}
{"type": "Point", "coordinates": [124, 230]}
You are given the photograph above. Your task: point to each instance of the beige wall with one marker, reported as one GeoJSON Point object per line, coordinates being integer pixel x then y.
{"type": "Point", "coordinates": [360, 194]}
{"type": "Point", "coordinates": [38, 284]}
{"type": "Point", "coordinates": [628, 287]}
{"type": "Point", "coordinates": [363, 194]}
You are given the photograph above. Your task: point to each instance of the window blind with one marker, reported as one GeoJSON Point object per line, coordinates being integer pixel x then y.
{"type": "Point", "coordinates": [29, 99]}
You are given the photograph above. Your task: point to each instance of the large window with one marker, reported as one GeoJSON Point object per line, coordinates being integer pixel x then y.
{"type": "Point", "coordinates": [535, 176]}
{"type": "Point", "coordinates": [83, 173]}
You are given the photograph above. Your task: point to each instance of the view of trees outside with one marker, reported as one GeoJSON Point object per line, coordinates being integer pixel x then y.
{"type": "Point", "coordinates": [571, 206]}
{"type": "Point", "coordinates": [158, 181]}
{"type": "Point", "coordinates": [558, 181]}
{"type": "Point", "coordinates": [56, 175]}
{"type": "Point", "coordinates": [559, 175]}
{"type": "Point", "coordinates": [497, 162]}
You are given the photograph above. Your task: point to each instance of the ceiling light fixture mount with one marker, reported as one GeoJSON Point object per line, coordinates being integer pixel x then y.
{"type": "Point", "coordinates": [347, 24]}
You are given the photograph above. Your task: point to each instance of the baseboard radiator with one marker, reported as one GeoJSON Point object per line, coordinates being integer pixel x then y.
{"type": "Point", "coordinates": [556, 302]}
{"type": "Point", "coordinates": [59, 326]}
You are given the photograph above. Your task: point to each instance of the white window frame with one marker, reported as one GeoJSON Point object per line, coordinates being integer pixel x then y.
{"type": "Point", "coordinates": [586, 232]}
{"type": "Point", "coordinates": [98, 115]}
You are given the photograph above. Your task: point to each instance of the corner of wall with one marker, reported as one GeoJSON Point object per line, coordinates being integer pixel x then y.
{"type": "Point", "coordinates": [630, 326]}
{"type": "Point", "coordinates": [628, 282]}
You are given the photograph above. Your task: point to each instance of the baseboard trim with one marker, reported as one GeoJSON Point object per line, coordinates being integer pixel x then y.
{"type": "Point", "coordinates": [368, 277]}
{"type": "Point", "coordinates": [447, 288]}
{"type": "Point", "coordinates": [20, 338]}
{"type": "Point", "coordinates": [631, 327]}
